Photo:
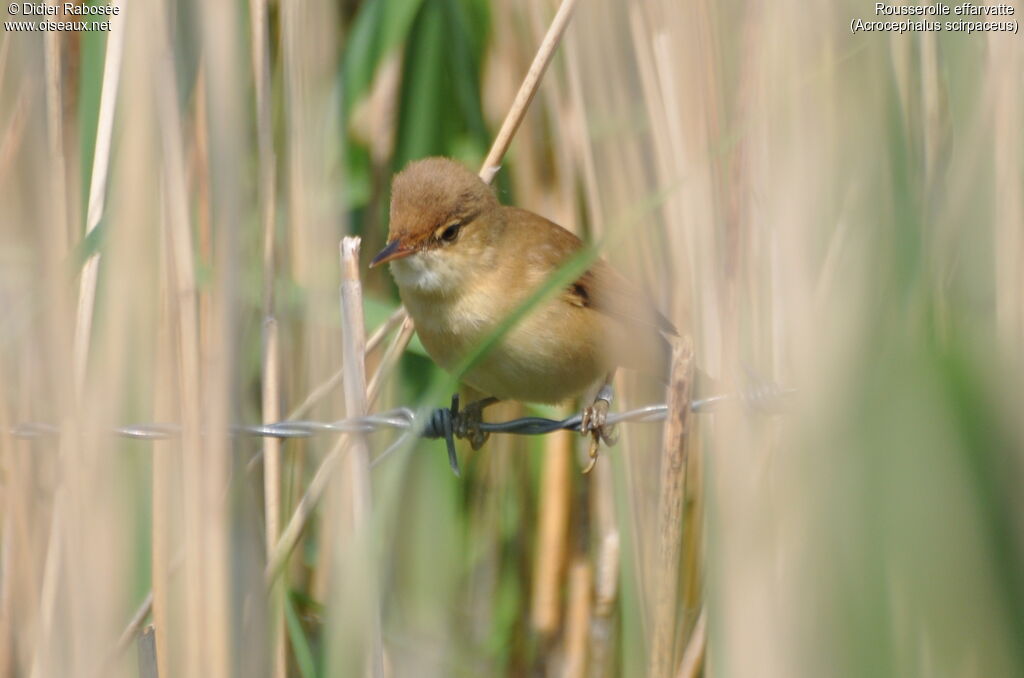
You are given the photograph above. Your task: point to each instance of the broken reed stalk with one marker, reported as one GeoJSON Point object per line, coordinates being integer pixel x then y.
{"type": "Point", "coordinates": [358, 459]}
{"type": "Point", "coordinates": [315, 490]}
{"type": "Point", "coordinates": [354, 378]}
{"type": "Point", "coordinates": [670, 510]}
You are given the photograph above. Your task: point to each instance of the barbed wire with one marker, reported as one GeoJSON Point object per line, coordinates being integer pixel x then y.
{"type": "Point", "coordinates": [406, 419]}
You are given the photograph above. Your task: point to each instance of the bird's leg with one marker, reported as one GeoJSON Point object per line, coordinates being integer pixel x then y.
{"type": "Point", "coordinates": [594, 421]}
{"type": "Point", "coordinates": [466, 422]}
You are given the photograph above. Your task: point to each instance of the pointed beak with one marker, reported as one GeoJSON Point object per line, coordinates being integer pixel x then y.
{"type": "Point", "coordinates": [394, 250]}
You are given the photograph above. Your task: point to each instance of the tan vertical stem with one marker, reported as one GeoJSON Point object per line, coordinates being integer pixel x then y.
{"type": "Point", "coordinates": [1008, 161]}
{"type": "Point", "coordinates": [272, 484]}
{"type": "Point", "coordinates": [87, 285]}
{"type": "Point", "coordinates": [552, 535]}
{"type": "Point", "coordinates": [670, 510]}
{"type": "Point", "coordinates": [577, 621]}
{"type": "Point", "coordinates": [55, 133]}
{"type": "Point", "coordinates": [184, 318]}
{"type": "Point", "coordinates": [98, 189]}
{"type": "Point", "coordinates": [271, 397]}
{"type": "Point", "coordinates": [601, 652]}
{"type": "Point", "coordinates": [358, 459]}
{"type": "Point", "coordinates": [165, 462]}
{"type": "Point", "coordinates": [527, 90]}
{"type": "Point", "coordinates": [693, 657]}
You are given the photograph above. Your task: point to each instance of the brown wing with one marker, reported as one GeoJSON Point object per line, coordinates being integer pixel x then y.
{"type": "Point", "coordinates": [604, 290]}
{"type": "Point", "coordinates": [601, 288]}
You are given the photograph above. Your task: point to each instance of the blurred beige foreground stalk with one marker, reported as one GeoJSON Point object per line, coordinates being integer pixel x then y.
{"type": "Point", "coordinates": [841, 215]}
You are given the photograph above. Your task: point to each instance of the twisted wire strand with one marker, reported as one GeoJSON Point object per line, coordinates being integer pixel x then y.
{"type": "Point", "coordinates": [435, 425]}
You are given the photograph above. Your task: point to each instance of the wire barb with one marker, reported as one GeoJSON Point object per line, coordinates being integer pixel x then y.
{"type": "Point", "coordinates": [448, 423]}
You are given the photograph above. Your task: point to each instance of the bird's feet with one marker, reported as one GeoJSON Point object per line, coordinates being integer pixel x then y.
{"type": "Point", "coordinates": [466, 423]}
{"type": "Point", "coordinates": [451, 423]}
{"type": "Point", "coordinates": [594, 424]}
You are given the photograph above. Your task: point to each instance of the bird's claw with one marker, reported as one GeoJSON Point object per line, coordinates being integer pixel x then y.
{"type": "Point", "coordinates": [451, 423]}
{"type": "Point", "coordinates": [466, 423]}
{"type": "Point", "coordinates": [594, 424]}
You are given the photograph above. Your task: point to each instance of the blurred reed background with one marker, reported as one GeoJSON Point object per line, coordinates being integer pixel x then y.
{"type": "Point", "coordinates": [840, 214]}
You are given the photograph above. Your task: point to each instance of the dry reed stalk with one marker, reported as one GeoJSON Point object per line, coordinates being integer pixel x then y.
{"type": "Point", "coordinates": [692, 559]}
{"type": "Point", "coordinates": [577, 617]}
{"type": "Point", "coordinates": [303, 511]}
{"type": "Point", "coordinates": [1007, 109]}
{"type": "Point", "coordinates": [318, 484]}
{"type": "Point", "coordinates": [577, 131]}
{"type": "Point", "coordinates": [48, 594]}
{"type": "Point", "coordinates": [542, 171]}
{"type": "Point", "coordinates": [304, 508]}
{"type": "Point", "coordinates": [354, 380]}
{"type": "Point", "coordinates": [10, 501]}
{"type": "Point", "coordinates": [527, 90]}
{"type": "Point", "coordinates": [601, 650]}
{"type": "Point", "coordinates": [398, 317]}
{"type": "Point", "coordinates": [58, 177]}
{"type": "Point", "coordinates": [693, 657]}
{"type": "Point", "coordinates": [314, 210]}
{"type": "Point", "coordinates": [224, 77]}
{"type": "Point", "coordinates": [98, 190]}
{"type": "Point", "coordinates": [183, 310]}
{"type": "Point", "coordinates": [670, 510]}
{"type": "Point", "coordinates": [637, 479]}
{"type": "Point", "coordinates": [19, 389]}
{"type": "Point", "coordinates": [59, 240]}
{"type": "Point", "coordinates": [357, 457]}
{"type": "Point", "coordinates": [166, 467]}
{"type": "Point", "coordinates": [14, 130]}
{"type": "Point", "coordinates": [552, 533]}
{"type": "Point", "coordinates": [271, 396]}
{"type": "Point", "coordinates": [604, 524]}
{"type": "Point", "coordinates": [298, 163]}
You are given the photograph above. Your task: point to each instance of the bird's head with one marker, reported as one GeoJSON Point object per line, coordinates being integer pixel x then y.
{"type": "Point", "coordinates": [443, 222]}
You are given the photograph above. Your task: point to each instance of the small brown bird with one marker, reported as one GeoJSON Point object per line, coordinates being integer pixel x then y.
{"type": "Point", "coordinates": [463, 262]}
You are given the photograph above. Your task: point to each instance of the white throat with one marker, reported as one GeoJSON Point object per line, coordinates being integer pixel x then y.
{"type": "Point", "coordinates": [426, 272]}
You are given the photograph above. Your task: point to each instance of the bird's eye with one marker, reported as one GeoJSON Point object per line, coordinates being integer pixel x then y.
{"type": "Point", "coordinates": [450, 233]}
